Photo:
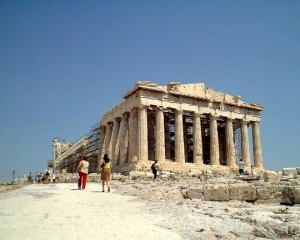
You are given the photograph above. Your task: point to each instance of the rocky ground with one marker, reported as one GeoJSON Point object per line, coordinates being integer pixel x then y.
{"type": "Point", "coordinates": [180, 203]}
{"type": "Point", "coordinates": [4, 187]}
{"type": "Point", "coordinates": [195, 218]}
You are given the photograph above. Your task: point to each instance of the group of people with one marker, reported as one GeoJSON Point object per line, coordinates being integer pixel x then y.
{"type": "Point", "coordinates": [83, 170]}
{"type": "Point", "coordinates": [39, 177]}
{"type": "Point", "coordinates": [105, 164]}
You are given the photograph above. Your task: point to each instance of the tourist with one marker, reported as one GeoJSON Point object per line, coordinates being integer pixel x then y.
{"type": "Point", "coordinates": [39, 177]}
{"type": "Point", "coordinates": [105, 173]}
{"type": "Point", "coordinates": [36, 177]}
{"type": "Point", "coordinates": [241, 166]}
{"type": "Point", "coordinates": [83, 170]}
{"type": "Point", "coordinates": [29, 178]}
{"type": "Point", "coordinates": [154, 170]}
{"type": "Point", "coordinates": [53, 178]}
{"type": "Point", "coordinates": [47, 176]}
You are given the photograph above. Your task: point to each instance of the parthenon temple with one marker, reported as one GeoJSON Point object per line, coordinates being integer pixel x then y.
{"type": "Point", "coordinates": [182, 126]}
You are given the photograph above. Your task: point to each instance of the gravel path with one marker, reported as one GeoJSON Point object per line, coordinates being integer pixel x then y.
{"type": "Point", "coordinates": [60, 211]}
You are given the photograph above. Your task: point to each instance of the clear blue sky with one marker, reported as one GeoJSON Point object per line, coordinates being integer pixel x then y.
{"type": "Point", "coordinates": [65, 63]}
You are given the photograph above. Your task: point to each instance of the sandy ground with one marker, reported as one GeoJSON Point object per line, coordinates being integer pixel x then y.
{"type": "Point", "coordinates": [60, 211]}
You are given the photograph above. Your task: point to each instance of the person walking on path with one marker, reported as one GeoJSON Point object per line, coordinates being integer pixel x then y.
{"type": "Point", "coordinates": [47, 176]}
{"type": "Point", "coordinates": [241, 166]}
{"type": "Point", "coordinates": [154, 170]}
{"type": "Point", "coordinates": [105, 173]}
{"type": "Point", "coordinates": [83, 170]}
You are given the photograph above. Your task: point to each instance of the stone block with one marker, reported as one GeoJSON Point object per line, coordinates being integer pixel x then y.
{"type": "Point", "coordinates": [270, 176]}
{"type": "Point", "coordinates": [195, 173]}
{"type": "Point", "coordinates": [173, 196]}
{"type": "Point", "coordinates": [269, 194]}
{"type": "Point", "coordinates": [298, 170]}
{"type": "Point", "coordinates": [242, 192]}
{"type": "Point", "coordinates": [287, 196]}
{"type": "Point", "coordinates": [296, 193]}
{"type": "Point", "coordinates": [294, 182]}
{"type": "Point", "coordinates": [216, 193]}
{"type": "Point", "coordinates": [288, 171]}
{"type": "Point", "coordinates": [195, 194]}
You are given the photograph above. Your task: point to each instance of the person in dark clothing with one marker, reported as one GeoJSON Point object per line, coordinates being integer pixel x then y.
{"type": "Point", "coordinates": [154, 170]}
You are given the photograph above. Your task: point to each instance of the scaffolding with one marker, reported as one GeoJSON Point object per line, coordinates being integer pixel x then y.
{"type": "Point", "coordinates": [88, 145]}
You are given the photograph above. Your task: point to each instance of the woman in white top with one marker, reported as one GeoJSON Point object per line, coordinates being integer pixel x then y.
{"type": "Point", "coordinates": [83, 170]}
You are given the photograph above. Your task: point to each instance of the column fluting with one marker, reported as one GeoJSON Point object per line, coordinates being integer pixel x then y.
{"type": "Point", "coordinates": [179, 141]}
{"type": "Point", "coordinates": [142, 134]}
{"type": "Point", "coordinates": [197, 137]}
{"type": "Point", "coordinates": [230, 151]}
{"type": "Point", "coordinates": [245, 143]}
{"type": "Point", "coordinates": [214, 141]}
{"type": "Point", "coordinates": [160, 136]}
{"type": "Point", "coordinates": [257, 150]}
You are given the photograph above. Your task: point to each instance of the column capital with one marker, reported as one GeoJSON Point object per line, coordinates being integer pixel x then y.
{"type": "Point", "coordinates": [141, 106]}
{"type": "Point", "coordinates": [255, 123]}
{"type": "Point", "coordinates": [124, 116]}
{"type": "Point", "coordinates": [213, 116]}
{"type": "Point", "coordinates": [197, 114]}
{"type": "Point", "coordinates": [245, 119]}
{"type": "Point", "coordinates": [158, 108]}
{"type": "Point", "coordinates": [117, 119]}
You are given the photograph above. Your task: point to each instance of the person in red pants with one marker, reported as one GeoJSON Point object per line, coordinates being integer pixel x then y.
{"type": "Point", "coordinates": [83, 170]}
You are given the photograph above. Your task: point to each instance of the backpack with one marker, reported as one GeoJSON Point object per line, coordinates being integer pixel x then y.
{"type": "Point", "coordinates": [153, 167]}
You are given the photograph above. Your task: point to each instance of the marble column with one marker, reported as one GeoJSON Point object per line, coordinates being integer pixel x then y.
{"type": "Point", "coordinates": [142, 134]}
{"type": "Point", "coordinates": [230, 150]}
{"type": "Point", "coordinates": [257, 150]}
{"type": "Point", "coordinates": [197, 137]}
{"type": "Point", "coordinates": [179, 141]}
{"type": "Point", "coordinates": [133, 136]}
{"type": "Point", "coordinates": [107, 149]}
{"type": "Point", "coordinates": [115, 142]}
{"type": "Point", "coordinates": [123, 139]}
{"type": "Point", "coordinates": [245, 143]}
{"type": "Point", "coordinates": [214, 141]}
{"type": "Point", "coordinates": [102, 131]}
{"type": "Point", "coordinates": [160, 136]}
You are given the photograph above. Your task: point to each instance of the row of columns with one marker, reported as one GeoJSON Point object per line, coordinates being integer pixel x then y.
{"type": "Point", "coordinates": [127, 138]}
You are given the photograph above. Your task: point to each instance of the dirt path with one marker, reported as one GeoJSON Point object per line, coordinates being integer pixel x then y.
{"type": "Point", "coordinates": [60, 211]}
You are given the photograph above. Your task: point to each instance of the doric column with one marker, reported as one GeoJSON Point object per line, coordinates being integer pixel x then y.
{"type": "Point", "coordinates": [245, 143]}
{"type": "Point", "coordinates": [197, 137]}
{"type": "Point", "coordinates": [160, 135]}
{"type": "Point", "coordinates": [230, 151]}
{"type": "Point", "coordinates": [107, 146]}
{"type": "Point", "coordinates": [102, 131]}
{"type": "Point", "coordinates": [115, 142]}
{"type": "Point", "coordinates": [133, 136]}
{"type": "Point", "coordinates": [214, 141]}
{"type": "Point", "coordinates": [179, 142]}
{"type": "Point", "coordinates": [257, 151]}
{"type": "Point", "coordinates": [123, 139]}
{"type": "Point", "coordinates": [142, 134]}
